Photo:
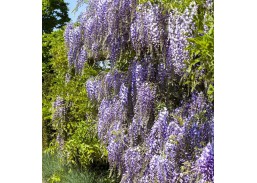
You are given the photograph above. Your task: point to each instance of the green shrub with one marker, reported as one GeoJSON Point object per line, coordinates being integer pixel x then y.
{"type": "Point", "coordinates": [199, 74]}
{"type": "Point", "coordinates": [77, 127]}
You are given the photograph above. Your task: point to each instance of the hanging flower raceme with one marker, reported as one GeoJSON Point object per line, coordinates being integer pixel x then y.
{"type": "Point", "coordinates": [59, 108]}
{"type": "Point", "coordinates": [58, 118]}
{"type": "Point", "coordinates": [105, 117]}
{"type": "Point", "coordinates": [116, 144]}
{"type": "Point", "coordinates": [160, 169]}
{"type": "Point", "coordinates": [205, 163]}
{"type": "Point", "coordinates": [146, 29]}
{"type": "Point", "coordinates": [180, 28]}
{"type": "Point", "coordinates": [133, 164]}
{"type": "Point", "coordinates": [77, 55]}
{"type": "Point", "coordinates": [123, 94]}
{"type": "Point", "coordinates": [106, 22]}
{"type": "Point", "coordinates": [110, 130]}
{"type": "Point", "coordinates": [81, 60]}
{"type": "Point", "coordinates": [92, 88]}
{"type": "Point", "coordinates": [142, 110]}
{"type": "Point", "coordinates": [158, 134]}
{"type": "Point", "coordinates": [162, 73]}
{"type": "Point", "coordinates": [68, 34]}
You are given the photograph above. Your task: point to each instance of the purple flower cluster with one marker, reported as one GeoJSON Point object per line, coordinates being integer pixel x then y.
{"type": "Point", "coordinates": [59, 109]}
{"type": "Point", "coordinates": [92, 87]}
{"type": "Point", "coordinates": [144, 144]}
{"type": "Point", "coordinates": [104, 119]}
{"type": "Point", "coordinates": [160, 169]}
{"type": "Point", "coordinates": [167, 142]}
{"type": "Point", "coordinates": [142, 110]}
{"type": "Point", "coordinates": [146, 29]}
{"type": "Point", "coordinates": [133, 164]}
{"type": "Point", "coordinates": [162, 73]}
{"type": "Point", "coordinates": [107, 86]}
{"type": "Point", "coordinates": [158, 134]}
{"type": "Point", "coordinates": [123, 94]}
{"type": "Point", "coordinates": [76, 53]}
{"type": "Point", "coordinates": [116, 144]}
{"type": "Point", "coordinates": [205, 163]}
{"type": "Point", "coordinates": [110, 130]}
{"type": "Point", "coordinates": [106, 22]}
{"type": "Point", "coordinates": [81, 60]}
{"type": "Point", "coordinates": [58, 117]}
{"type": "Point", "coordinates": [180, 28]}
{"type": "Point", "coordinates": [138, 76]}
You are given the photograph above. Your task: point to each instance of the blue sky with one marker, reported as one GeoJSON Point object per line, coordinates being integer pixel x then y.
{"type": "Point", "coordinates": [71, 6]}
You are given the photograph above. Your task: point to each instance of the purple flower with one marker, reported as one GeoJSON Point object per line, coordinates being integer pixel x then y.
{"type": "Point", "coordinates": [123, 94]}
{"type": "Point", "coordinates": [104, 119]}
{"type": "Point", "coordinates": [205, 164]}
{"type": "Point", "coordinates": [76, 54]}
{"type": "Point", "coordinates": [81, 60]}
{"type": "Point", "coordinates": [59, 108]}
{"type": "Point", "coordinates": [133, 162]}
{"type": "Point", "coordinates": [162, 74]}
{"type": "Point", "coordinates": [146, 29]}
{"type": "Point", "coordinates": [90, 86]}
{"type": "Point", "coordinates": [143, 107]}
{"type": "Point", "coordinates": [160, 169]}
{"type": "Point", "coordinates": [179, 29]}
{"type": "Point", "coordinates": [116, 145]}
{"type": "Point", "coordinates": [67, 33]}
{"type": "Point", "coordinates": [158, 134]}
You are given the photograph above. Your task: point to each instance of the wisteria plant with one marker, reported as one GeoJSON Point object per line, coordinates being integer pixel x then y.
{"type": "Point", "coordinates": [155, 110]}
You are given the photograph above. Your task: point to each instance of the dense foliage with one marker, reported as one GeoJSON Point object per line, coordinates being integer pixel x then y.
{"type": "Point", "coordinates": [49, 42]}
{"type": "Point", "coordinates": [68, 116]}
{"type": "Point", "coordinates": [155, 104]}
{"type": "Point", "coordinates": [54, 15]}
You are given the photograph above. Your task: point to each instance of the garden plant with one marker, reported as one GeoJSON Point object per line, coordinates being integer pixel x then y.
{"type": "Point", "coordinates": [133, 90]}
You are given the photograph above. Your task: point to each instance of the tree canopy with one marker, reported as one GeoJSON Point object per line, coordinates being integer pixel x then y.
{"type": "Point", "coordinates": [54, 15]}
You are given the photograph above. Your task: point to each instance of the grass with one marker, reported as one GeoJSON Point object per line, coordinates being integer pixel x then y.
{"type": "Point", "coordinates": [55, 171]}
